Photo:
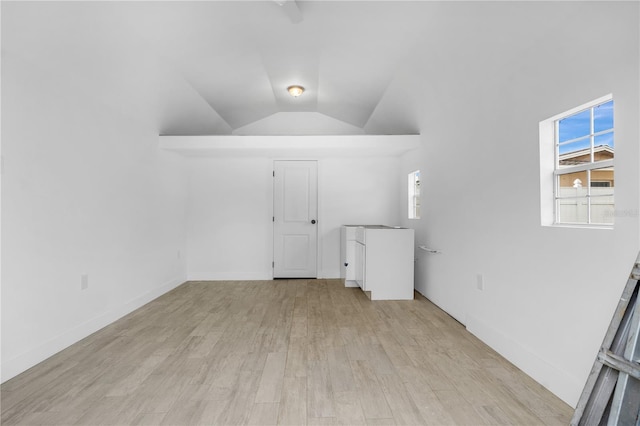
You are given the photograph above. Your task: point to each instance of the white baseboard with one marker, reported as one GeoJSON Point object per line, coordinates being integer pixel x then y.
{"type": "Point", "coordinates": [248, 276]}
{"type": "Point", "coordinates": [350, 283]}
{"type": "Point", "coordinates": [551, 377]}
{"type": "Point", "coordinates": [233, 276]}
{"type": "Point", "coordinates": [12, 367]}
{"type": "Point", "coordinates": [329, 274]}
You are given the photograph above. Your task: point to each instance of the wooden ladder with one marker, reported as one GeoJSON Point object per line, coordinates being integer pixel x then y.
{"type": "Point", "coordinates": [612, 393]}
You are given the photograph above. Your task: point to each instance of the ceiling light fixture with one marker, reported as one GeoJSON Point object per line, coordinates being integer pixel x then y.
{"type": "Point", "coordinates": [295, 91]}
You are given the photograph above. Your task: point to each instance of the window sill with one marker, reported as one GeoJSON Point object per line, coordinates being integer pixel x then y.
{"type": "Point", "coordinates": [579, 226]}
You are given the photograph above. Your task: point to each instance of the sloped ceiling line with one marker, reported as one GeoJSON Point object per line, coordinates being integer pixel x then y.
{"type": "Point", "coordinates": [291, 9]}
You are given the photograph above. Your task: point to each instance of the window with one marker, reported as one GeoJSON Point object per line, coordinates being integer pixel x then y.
{"type": "Point", "coordinates": [583, 171]}
{"type": "Point", "coordinates": [414, 195]}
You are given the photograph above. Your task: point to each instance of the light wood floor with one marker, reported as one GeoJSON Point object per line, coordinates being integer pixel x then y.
{"type": "Point", "coordinates": [279, 352]}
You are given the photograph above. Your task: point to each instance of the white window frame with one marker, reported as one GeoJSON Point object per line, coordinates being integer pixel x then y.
{"type": "Point", "coordinates": [549, 165]}
{"type": "Point", "coordinates": [413, 193]}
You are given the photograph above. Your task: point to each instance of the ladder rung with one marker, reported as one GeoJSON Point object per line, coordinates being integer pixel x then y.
{"type": "Point", "coordinates": [635, 272]}
{"type": "Point", "coordinates": [609, 395]}
{"type": "Point", "coordinates": [617, 362]}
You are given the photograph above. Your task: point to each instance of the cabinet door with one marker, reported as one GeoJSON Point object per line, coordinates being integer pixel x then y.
{"type": "Point", "coordinates": [343, 252]}
{"type": "Point", "coordinates": [360, 265]}
{"type": "Point", "coordinates": [350, 260]}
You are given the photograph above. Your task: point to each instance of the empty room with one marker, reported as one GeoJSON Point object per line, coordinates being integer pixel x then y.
{"type": "Point", "coordinates": [320, 212]}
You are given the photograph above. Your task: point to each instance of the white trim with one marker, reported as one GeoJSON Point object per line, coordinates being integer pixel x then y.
{"type": "Point", "coordinates": [582, 225]}
{"type": "Point", "coordinates": [550, 158]}
{"type": "Point", "coordinates": [320, 220]}
{"type": "Point", "coordinates": [547, 177]}
{"type": "Point", "coordinates": [582, 107]}
{"type": "Point", "coordinates": [266, 275]}
{"type": "Point", "coordinates": [548, 375]}
{"type": "Point", "coordinates": [583, 167]}
{"type": "Point", "coordinates": [18, 364]}
{"type": "Point", "coordinates": [291, 146]}
{"type": "Point", "coordinates": [594, 134]}
{"type": "Point", "coordinates": [597, 148]}
{"type": "Point", "coordinates": [413, 198]}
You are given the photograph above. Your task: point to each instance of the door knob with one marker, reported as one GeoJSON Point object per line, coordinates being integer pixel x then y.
{"type": "Point", "coordinates": [313, 221]}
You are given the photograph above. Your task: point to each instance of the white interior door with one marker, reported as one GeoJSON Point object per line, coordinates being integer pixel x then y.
{"type": "Point", "coordinates": [295, 218]}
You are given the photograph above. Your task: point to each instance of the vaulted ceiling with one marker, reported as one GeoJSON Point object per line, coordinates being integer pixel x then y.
{"type": "Point", "coordinates": [222, 67]}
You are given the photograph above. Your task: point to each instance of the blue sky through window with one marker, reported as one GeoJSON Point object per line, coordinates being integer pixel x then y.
{"type": "Point", "coordinates": [579, 125]}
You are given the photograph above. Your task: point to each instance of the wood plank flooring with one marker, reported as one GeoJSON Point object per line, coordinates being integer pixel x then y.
{"type": "Point", "coordinates": [288, 352]}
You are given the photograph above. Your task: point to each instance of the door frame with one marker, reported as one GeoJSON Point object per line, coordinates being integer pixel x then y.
{"type": "Point", "coordinates": [320, 223]}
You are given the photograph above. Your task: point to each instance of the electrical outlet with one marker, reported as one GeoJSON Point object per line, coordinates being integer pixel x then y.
{"type": "Point", "coordinates": [84, 282]}
{"type": "Point", "coordinates": [480, 282]}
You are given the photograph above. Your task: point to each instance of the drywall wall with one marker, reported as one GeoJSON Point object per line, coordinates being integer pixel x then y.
{"type": "Point", "coordinates": [549, 292]}
{"type": "Point", "coordinates": [227, 234]}
{"type": "Point", "coordinates": [85, 191]}
{"type": "Point", "coordinates": [230, 205]}
{"type": "Point", "coordinates": [298, 123]}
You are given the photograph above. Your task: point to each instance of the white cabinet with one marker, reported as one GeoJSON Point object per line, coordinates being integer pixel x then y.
{"type": "Point", "coordinates": [384, 262]}
{"type": "Point", "coordinates": [359, 265]}
{"type": "Point", "coordinates": [348, 255]}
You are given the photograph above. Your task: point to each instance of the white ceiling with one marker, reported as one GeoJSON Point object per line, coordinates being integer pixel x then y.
{"type": "Point", "coordinates": [222, 67]}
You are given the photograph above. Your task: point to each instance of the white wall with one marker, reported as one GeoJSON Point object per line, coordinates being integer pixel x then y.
{"type": "Point", "coordinates": [228, 218]}
{"type": "Point", "coordinates": [85, 190]}
{"type": "Point", "coordinates": [354, 191]}
{"type": "Point", "coordinates": [298, 123]}
{"type": "Point", "coordinates": [230, 205]}
{"type": "Point", "coordinates": [549, 292]}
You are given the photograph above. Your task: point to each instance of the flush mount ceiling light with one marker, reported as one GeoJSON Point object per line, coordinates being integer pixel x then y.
{"type": "Point", "coordinates": [295, 91]}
